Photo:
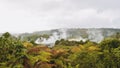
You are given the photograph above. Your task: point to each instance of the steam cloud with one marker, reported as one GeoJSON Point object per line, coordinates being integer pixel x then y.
{"type": "Point", "coordinates": [51, 40]}
{"type": "Point", "coordinates": [94, 35]}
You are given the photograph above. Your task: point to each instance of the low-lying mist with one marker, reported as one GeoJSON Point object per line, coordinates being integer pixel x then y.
{"type": "Point", "coordinates": [95, 35]}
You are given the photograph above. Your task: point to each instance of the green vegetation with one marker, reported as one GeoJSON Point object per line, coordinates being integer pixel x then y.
{"type": "Point", "coordinates": [33, 37]}
{"type": "Point", "coordinates": [15, 53]}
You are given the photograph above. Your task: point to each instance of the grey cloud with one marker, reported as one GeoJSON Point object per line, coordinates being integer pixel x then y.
{"type": "Point", "coordinates": [61, 13]}
{"type": "Point", "coordinates": [99, 4]}
{"type": "Point", "coordinates": [69, 4]}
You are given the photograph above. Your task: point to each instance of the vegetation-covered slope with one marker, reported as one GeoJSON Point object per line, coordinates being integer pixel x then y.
{"type": "Point", "coordinates": [93, 34]}
{"type": "Point", "coordinates": [15, 53]}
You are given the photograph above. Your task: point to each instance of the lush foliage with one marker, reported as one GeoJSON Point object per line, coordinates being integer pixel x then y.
{"type": "Point", "coordinates": [15, 53]}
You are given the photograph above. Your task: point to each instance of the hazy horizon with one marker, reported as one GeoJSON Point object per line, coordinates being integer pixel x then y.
{"type": "Point", "coordinates": [19, 16]}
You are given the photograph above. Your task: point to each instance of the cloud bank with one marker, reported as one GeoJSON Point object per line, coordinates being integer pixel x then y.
{"type": "Point", "coordinates": [36, 15]}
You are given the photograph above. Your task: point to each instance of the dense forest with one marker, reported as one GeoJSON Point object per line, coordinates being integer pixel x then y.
{"type": "Point", "coordinates": [17, 53]}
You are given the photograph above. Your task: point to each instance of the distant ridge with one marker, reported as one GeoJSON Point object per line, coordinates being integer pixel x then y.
{"type": "Point", "coordinates": [93, 34]}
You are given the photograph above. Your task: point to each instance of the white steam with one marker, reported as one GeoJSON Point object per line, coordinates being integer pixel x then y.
{"type": "Point", "coordinates": [63, 33]}
{"type": "Point", "coordinates": [95, 35]}
{"type": "Point", "coordinates": [78, 39]}
{"type": "Point", "coordinates": [51, 40]}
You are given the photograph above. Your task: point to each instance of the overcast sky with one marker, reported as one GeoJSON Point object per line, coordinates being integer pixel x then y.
{"type": "Point", "coordinates": [35, 15]}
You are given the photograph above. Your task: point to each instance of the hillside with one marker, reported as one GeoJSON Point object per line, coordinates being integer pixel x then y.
{"type": "Point", "coordinates": [72, 34]}
{"type": "Point", "coordinates": [15, 53]}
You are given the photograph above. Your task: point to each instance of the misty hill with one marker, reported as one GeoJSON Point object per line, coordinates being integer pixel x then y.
{"type": "Point", "coordinates": [93, 34]}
